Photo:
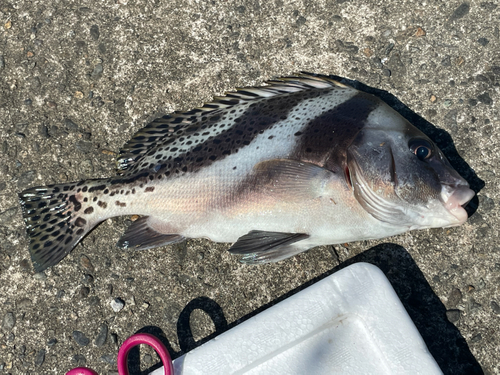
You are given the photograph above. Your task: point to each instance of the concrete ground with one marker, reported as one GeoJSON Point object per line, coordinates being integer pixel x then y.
{"type": "Point", "coordinates": [78, 78]}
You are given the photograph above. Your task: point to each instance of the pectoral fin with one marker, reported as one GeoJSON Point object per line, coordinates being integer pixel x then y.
{"type": "Point", "coordinates": [291, 177]}
{"type": "Point", "coordinates": [265, 247]}
{"type": "Point", "coordinates": [140, 236]}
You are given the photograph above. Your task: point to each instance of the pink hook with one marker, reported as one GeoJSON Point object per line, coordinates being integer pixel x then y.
{"type": "Point", "coordinates": [148, 339]}
{"type": "Point", "coordinates": [140, 338]}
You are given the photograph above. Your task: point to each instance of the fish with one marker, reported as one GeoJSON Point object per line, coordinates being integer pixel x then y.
{"type": "Point", "coordinates": [298, 162]}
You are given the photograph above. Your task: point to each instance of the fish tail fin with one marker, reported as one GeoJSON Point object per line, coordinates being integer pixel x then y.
{"type": "Point", "coordinates": [57, 217]}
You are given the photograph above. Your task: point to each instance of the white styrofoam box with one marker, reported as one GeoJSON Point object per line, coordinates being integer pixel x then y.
{"type": "Point", "coordinates": [351, 322]}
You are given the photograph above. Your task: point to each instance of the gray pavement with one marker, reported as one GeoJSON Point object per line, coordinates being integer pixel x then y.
{"type": "Point", "coordinates": [78, 78]}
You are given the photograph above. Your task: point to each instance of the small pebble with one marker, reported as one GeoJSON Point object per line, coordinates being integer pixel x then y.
{"type": "Point", "coordinates": [476, 338]}
{"type": "Point", "coordinates": [79, 360]}
{"type": "Point", "coordinates": [485, 99]}
{"type": "Point", "coordinates": [94, 32]}
{"type": "Point", "coordinates": [52, 342]}
{"type": "Point", "coordinates": [433, 98]}
{"type": "Point", "coordinates": [9, 321]}
{"type": "Point", "coordinates": [483, 41]}
{"type": "Point", "coordinates": [40, 357]}
{"type": "Point", "coordinates": [78, 94]}
{"type": "Point", "coordinates": [455, 297]}
{"type": "Point", "coordinates": [86, 263]}
{"type": "Point", "coordinates": [460, 12]}
{"type": "Point", "coordinates": [453, 315]}
{"type": "Point", "coordinates": [109, 358]}
{"type": "Point", "coordinates": [97, 72]}
{"type": "Point", "coordinates": [88, 278]}
{"type": "Point", "coordinates": [109, 289]}
{"type": "Point", "coordinates": [386, 72]}
{"type": "Point", "coordinates": [100, 340]}
{"type": "Point", "coordinates": [117, 304]}
{"type": "Point", "coordinates": [84, 292]}
{"type": "Point", "coordinates": [367, 52]}
{"type": "Point", "coordinates": [40, 276]}
{"type": "Point", "coordinates": [114, 339]}
{"type": "Point", "coordinates": [72, 127]}
{"type": "Point", "coordinates": [80, 338]}
{"type": "Point", "coordinates": [473, 305]}
{"type": "Point", "coordinates": [94, 301]}
{"type": "Point", "coordinates": [420, 32]}
{"type": "Point", "coordinates": [495, 307]}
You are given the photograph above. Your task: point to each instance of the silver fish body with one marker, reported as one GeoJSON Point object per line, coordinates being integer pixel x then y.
{"type": "Point", "coordinates": [278, 169]}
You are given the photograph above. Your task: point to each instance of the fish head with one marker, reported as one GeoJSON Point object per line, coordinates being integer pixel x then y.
{"type": "Point", "coordinates": [401, 177]}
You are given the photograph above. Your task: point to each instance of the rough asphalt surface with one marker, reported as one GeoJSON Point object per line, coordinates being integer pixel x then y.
{"type": "Point", "coordinates": [78, 78]}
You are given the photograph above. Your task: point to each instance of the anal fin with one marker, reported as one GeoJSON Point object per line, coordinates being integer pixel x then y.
{"type": "Point", "coordinates": [140, 236]}
{"type": "Point", "coordinates": [257, 247]}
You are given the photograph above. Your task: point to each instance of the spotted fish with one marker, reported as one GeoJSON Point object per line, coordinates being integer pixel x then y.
{"type": "Point", "coordinates": [277, 170]}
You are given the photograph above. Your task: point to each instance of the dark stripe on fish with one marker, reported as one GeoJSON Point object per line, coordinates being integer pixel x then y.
{"type": "Point", "coordinates": [259, 117]}
{"type": "Point", "coordinates": [324, 141]}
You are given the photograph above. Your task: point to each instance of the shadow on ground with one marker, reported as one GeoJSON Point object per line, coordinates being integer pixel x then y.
{"type": "Point", "coordinates": [443, 339]}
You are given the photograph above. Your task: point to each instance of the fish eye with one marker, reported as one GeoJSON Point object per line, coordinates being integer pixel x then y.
{"type": "Point", "coordinates": [421, 148]}
{"type": "Point", "coordinates": [422, 152]}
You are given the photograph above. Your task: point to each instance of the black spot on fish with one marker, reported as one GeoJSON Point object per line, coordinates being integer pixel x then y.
{"type": "Point", "coordinates": [97, 188]}
{"type": "Point", "coordinates": [79, 231]}
{"type": "Point", "coordinates": [102, 204]}
{"type": "Point", "coordinates": [88, 210]}
{"type": "Point", "coordinates": [80, 222]}
{"type": "Point", "coordinates": [76, 205]}
{"type": "Point", "coordinates": [149, 189]}
{"type": "Point", "coordinates": [84, 189]}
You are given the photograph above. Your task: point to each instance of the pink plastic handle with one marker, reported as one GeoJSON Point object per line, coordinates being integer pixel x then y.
{"type": "Point", "coordinates": [81, 371]}
{"type": "Point", "coordinates": [148, 339]}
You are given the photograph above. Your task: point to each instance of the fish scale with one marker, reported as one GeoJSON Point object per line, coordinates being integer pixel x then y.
{"type": "Point", "coordinates": [276, 169]}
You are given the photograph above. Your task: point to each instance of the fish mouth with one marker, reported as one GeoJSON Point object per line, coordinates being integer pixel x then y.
{"type": "Point", "coordinates": [455, 198]}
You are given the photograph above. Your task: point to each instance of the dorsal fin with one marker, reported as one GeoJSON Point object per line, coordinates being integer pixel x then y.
{"type": "Point", "coordinates": [178, 123]}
